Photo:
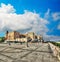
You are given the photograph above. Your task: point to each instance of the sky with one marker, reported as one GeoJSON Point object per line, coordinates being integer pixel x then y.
{"type": "Point", "coordinates": [39, 16]}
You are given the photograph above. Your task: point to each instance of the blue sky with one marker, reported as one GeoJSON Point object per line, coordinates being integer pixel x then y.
{"type": "Point", "coordinates": [37, 5]}
{"type": "Point", "coordinates": [46, 9]}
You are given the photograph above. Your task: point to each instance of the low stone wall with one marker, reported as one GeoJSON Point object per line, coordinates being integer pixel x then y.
{"type": "Point", "coordinates": [55, 50]}
{"type": "Point", "coordinates": [21, 39]}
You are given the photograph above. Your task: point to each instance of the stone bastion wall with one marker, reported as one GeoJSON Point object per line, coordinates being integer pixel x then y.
{"type": "Point", "coordinates": [55, 50]}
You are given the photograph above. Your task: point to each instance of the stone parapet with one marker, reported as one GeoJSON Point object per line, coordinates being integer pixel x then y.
{"type": "Point", "coordinates": [55, 50]}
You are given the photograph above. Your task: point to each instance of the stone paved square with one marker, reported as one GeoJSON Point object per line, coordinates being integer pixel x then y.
{"type": "Point", "coordinates": [21, 53]}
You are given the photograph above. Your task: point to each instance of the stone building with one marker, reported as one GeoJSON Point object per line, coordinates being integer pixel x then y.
{"type": "Point", "coordinates": [15, 36]}
{"type": "Point", "coordinates": [12, 35]}
{"type": "Point", "coordinates": [31, 35]}
{"type": "Point", "coordinates": [39, 37]}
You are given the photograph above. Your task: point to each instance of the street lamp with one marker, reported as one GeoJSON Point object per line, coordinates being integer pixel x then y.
{"type": "Point", "coordinates": [9, 41]}
{"type": "Point", "coordinates": [27, 42]}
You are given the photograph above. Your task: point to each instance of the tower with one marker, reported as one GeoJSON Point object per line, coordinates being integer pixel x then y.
{"type": "Point", "coordinates": [7, 34]}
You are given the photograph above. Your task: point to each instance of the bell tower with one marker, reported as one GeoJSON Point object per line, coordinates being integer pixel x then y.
{"type": "Point", "coordinates": [7, 34]}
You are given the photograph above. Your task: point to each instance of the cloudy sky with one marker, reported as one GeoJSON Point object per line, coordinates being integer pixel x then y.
{"type": "Point", "coordinates": [39, 16]}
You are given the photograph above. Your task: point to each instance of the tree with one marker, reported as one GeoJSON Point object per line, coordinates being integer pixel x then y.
{"type": "Point", "coordinates": [2, 39]}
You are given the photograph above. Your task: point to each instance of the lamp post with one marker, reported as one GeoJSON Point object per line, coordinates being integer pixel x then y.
{"type": "Point", "coordinates": [9, 41]}
{"type": "Point", "coordinates": [27, 42]}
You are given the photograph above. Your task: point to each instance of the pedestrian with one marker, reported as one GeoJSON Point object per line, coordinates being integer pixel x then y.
{"type": "Point", "coordinates": [9, 43]}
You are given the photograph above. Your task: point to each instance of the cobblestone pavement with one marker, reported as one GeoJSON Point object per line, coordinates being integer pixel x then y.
{"type": "Point", "coordinates": [36, 52]}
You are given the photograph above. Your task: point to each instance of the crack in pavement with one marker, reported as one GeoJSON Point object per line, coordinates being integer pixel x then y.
{"type": "Point", "coordinates": [30, 52]}
{"type": "Point", "coordinates": [7, 56]}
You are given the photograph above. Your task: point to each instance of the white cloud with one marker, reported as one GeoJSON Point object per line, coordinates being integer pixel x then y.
{"type": "Point", "coordinates": [9, 20]}
{"type": "Point", "coordinates": [6, 8]}
{"type": "Point", "coordinates": [55, 38]}
{"type": "Point", "coordinates": [59, 26]}
{"type": "Point", "coordinates": [56, 16]}
{"type": "Point", "coordinates": [51, 38]}
{"type": "Point", "coordinates": [47, 14]}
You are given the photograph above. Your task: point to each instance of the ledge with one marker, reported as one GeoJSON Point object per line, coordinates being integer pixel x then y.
{"type": "Point", "coordinates": [55, 50]}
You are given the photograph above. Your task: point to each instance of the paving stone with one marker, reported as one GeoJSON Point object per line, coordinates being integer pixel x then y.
{"type": "Point", "coordinates": [20, 53]}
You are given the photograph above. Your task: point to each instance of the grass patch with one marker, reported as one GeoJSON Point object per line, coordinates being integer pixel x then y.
{"type": "Point", "coordinates": [56, 44]}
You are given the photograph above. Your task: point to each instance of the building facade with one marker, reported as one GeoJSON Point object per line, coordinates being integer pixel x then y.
{"type": "Point", "coordinates": [12, 35]}
{"type": "Point", "coordinates": [16, 36]}
{"type": "Point", "coordinates": [31, 35]}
